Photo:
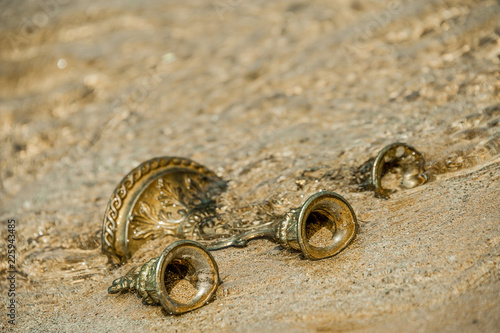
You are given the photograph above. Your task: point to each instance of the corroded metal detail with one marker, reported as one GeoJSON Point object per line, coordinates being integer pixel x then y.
{"type": "Point", "coordinates": [398, 158]}
{"type": "Point", "coordinates": [396, 166]}
{"type": "Point", "coordinates": [165, 196]}
{"type": "Point", "coordinates": [322, 227]}
{"type": "Point", "coordinates": [155, 281]}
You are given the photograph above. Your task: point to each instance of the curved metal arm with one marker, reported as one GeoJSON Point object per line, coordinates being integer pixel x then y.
{"type": "Point", "coordinates": [267, 230]}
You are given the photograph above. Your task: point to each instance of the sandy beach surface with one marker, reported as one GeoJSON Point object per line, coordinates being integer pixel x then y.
{"type": "Point", "coordinates": [281, 99]}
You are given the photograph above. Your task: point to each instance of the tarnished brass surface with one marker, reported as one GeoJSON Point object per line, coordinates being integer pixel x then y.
{"type": "Point", "coordinates": [398, 158]}
{"type": "Point", "coordinates": [322, 227]}
{"type": "Point", "coordinates": [165, 196]}
{"type": "Point", "coordinates": [155, 280]}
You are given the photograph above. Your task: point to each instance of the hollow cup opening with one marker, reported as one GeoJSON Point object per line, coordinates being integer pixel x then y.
{"type": "Point", "coordinates": [327, 224]}
{"type": "Point", "coordinates": [187, 277]}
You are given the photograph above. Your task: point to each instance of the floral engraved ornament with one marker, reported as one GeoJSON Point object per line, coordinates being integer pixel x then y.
{"type": "Point", "coordinates": [184, 210]}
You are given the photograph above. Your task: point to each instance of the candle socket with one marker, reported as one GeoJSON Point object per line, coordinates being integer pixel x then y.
{"type": "Point", "coordinates": [322, 227]}
{"type": "Point", "coordinates": [155, 280]}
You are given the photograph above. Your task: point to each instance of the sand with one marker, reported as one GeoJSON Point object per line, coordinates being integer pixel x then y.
{"type": "Point", "coordinates": [281, 99]}
{"type": "Point", "coordinates": [183, 292]}
{"type": "Point", "coordinates": [321, 238]}
{"type": "Point", "coordinates": [319, 230]}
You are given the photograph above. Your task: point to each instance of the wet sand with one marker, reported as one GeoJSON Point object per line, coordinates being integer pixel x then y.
{"type": "Point", "coordinates": [282, 100]}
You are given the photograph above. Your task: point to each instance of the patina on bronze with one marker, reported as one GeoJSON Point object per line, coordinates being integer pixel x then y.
{"type": "Point", "coordinates": [398, 158]}
{"type": "Point", "coordinates": [396, 166]}
{"type": "Point", "coordinates": [322, 227]}
{"type": "Point", "coordinates": [155, 280]}
{"type": "Point", "coordinates": [164, 196]}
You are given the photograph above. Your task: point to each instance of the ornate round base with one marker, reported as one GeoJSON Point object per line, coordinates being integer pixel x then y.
{"type": "Point", "coordinates": [165, 196]}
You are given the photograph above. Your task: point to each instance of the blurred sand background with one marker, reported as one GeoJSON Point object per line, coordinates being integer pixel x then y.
{"type": "Point", "coordinates": [281, 99]}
